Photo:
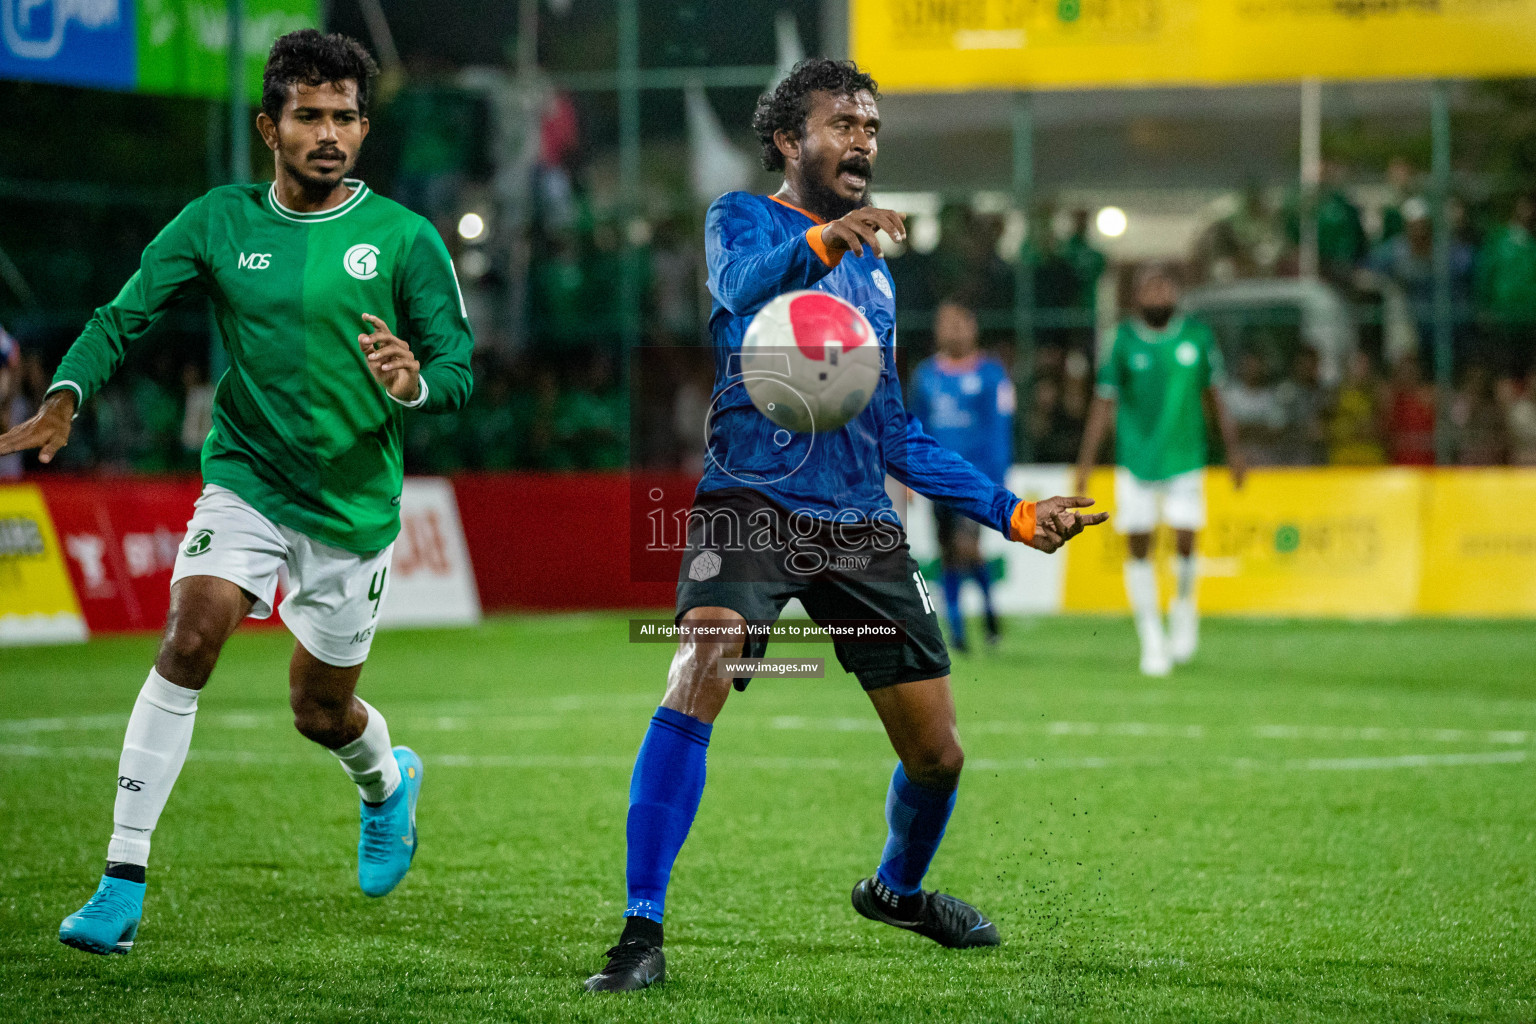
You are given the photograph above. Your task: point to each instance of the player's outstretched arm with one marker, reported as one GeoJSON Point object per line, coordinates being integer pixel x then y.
{"type": "Point", "coordinates": [48, 429]}
{"type": "Point", "coordinates": [168, 272]}
{"type": "Point", "coordinates": [914, 458]}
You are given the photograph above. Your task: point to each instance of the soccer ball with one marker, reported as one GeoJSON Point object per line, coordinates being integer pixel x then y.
{"type": "Point", "coordinates": [810, 361]}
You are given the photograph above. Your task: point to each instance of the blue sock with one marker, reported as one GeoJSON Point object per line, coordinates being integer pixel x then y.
{"type": "Point", "coordinates": [664, 794]}
{"type": "Point", "coordinates": [917, 817]}
{"type": "Point", "coordinates": [983, 577]}
{"type": "Point", "coordinates": [952, 605]}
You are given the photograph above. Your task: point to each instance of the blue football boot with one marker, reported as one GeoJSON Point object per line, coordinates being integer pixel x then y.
{"type": "Point", "coordinates": [109, 920]}
{"type": "Point", "coordinates": [387, 842]}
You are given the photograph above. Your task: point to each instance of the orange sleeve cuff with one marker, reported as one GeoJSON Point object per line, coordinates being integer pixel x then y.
{"type": "Point", "coordinates": [1023, 522]}
{"type": "Point", "coordinates": [813, 236]}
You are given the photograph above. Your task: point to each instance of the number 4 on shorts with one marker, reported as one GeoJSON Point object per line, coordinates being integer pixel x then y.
{"type": "Point", "coordinates": [376, 588]}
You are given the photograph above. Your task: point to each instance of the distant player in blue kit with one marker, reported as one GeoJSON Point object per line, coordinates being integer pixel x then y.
{"type": "Point", "coordinates": [780, 516]}
{"type": "Point", "coordinates": [965, 400]}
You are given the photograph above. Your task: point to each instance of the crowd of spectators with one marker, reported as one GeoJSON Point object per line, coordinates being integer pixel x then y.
{"type": "Point", "coordinates": [1371, 419]}
{"type": "Point", "coordinates": [1384, 410]}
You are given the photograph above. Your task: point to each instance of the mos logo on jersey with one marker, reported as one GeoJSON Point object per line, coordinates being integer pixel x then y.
{"type": "Point", "coordinates": [255, 260]}
{"type": "Point", "coordinates": [362, 261]}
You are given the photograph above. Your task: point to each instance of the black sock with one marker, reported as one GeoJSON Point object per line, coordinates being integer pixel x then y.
{"type": "Point", "coordinates": [641, 929]}
{"type": "Point", "coordinates": [903, 908]}
{"type": "Point", "coordinates": [127, 872]}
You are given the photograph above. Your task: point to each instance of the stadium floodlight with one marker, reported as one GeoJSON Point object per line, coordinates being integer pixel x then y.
{"type": "Point", "coordinates": [471, 226]}
{"type": "Point", "coordinates": [1111, 222]}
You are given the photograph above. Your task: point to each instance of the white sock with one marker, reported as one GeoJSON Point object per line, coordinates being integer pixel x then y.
{"type": "Point", "coordinates": [1141, 588]}
{"type": "Point", "coordinates": [369, 760]}
{"type": "Point", "coordinates": [1185, 568]}
{"type": "Point", "coordinates": [154, 749]}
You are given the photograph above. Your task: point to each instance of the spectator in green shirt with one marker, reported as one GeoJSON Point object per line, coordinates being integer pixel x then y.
{"type": "Point", "coordinates": [1087, 265]}
{"type": "Point", "coordinates": [1505, 288]}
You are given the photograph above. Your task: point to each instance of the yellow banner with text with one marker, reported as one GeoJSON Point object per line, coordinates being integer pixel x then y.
{"type": "Point", "coordinates": [921, 46]}
{"type": "Point", "coordinates": [1350, 543]}
{"type": "Point", "coordinates": [1480, 543]}
{"type": "Point", "coordinates": [37, 600]}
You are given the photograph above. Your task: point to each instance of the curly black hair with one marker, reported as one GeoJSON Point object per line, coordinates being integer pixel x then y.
{"type": "Point", "coordinates": [314, 59]}
{"type": "Point", "coordinates": [788, 105]}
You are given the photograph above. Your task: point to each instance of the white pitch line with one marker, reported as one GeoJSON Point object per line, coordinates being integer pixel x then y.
{"type": "Point", "coordinates": [1358, 764]}
{"type": "Point", "coordinates": [802, 723]}
{"type": "Point", "coordinates": [1025, 764]}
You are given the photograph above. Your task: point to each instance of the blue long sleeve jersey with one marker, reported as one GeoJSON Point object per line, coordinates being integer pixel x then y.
{"type": "Point", "coordinates": [967, 406]}
{"type": "Point", "coordinates": [758, 248]}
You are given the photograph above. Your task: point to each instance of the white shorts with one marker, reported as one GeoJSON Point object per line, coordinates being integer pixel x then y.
{"type": "Point", "coordinates": [1178, 501]}
{"type": "Point", "coordinates": [333, 596]}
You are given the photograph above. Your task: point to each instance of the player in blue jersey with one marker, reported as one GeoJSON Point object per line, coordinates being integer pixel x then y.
{"type": "Point", "coordinates": [780, 516]}
{"type": "Point", "coordinates": [965, 400]}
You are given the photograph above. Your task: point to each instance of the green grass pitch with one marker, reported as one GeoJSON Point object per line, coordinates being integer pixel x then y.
{"type": "Point", "coordinates": [1316, 822]}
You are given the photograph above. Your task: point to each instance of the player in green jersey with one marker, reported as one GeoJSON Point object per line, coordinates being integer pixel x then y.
{"type": "Point", "coordinates": [339, 310]}
{"type": "Point", "coordinates": [1158, 382]}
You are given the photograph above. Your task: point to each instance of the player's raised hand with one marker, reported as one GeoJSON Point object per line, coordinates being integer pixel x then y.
{"type": "Point", "coordinates": [390, 360]}
{"type": "Point", "coordinates": [1057, 521]}
{"type": "Point", "coordinates": [48, 429]}
{"type": "Point", "coordinates": [859, 228]}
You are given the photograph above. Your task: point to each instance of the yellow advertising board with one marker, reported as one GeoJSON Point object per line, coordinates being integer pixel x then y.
{"type": "Point", "coordinates": [953, 45]}
{"type": "Point", "coordinates": [1304, 542]}
{"type": "Point", "coordinates": [37, 600]}
{"type": "Point", "coordinates": [1480, 543]}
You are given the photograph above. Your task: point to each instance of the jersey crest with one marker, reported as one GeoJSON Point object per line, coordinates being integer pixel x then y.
{"type": "Point", "coordinates": [362, 261]}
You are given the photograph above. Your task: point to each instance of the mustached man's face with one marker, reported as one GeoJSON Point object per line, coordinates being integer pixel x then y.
{"type": "Point", "coordinates": [318, 135]}
{"type": "Point", "coordinates": [832, 162]}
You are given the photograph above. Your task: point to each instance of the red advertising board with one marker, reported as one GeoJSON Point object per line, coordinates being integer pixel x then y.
{"type": "Point", "coordinates": [120, 538]}
{"type": "Point", "coordinates": [567, 540]}
{"type": "Point", "coordinates": [534, 540]}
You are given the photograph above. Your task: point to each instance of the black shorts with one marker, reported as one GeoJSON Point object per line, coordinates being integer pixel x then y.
{"type": "Point", "coordinates": [750, 555]}
{"type": "Point", "coordinates": [951, 524]}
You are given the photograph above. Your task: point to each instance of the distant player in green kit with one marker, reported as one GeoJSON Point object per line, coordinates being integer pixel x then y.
{"type": "Point", "coordinates": [303, 467]}
{"type": "Point", "coordinates": [1162, 373]}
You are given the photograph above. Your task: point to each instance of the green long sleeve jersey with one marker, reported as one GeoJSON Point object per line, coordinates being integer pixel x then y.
{"type": "Point", "coordinates": [1158, 380]}
{"type": "Point", "coordinates": [301, 429]}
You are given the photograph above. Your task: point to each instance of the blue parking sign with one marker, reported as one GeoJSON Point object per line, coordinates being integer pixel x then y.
{"type": "Point", "coordinates": [71, 42]}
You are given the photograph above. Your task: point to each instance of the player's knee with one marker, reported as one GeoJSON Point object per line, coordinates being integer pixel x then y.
{"type": "Point", "coordinates": [189, 651]}
{"type": "Point", "coordinates": [695, 685]}
{"type": "Point", "coordinates": [937, 766]}
{"type": "Point", "coordinates": [320, 720]}
{"type": "Point", "coordinates": [323, 722]}
{"type": "Point", "coordinates": [696, 667]}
